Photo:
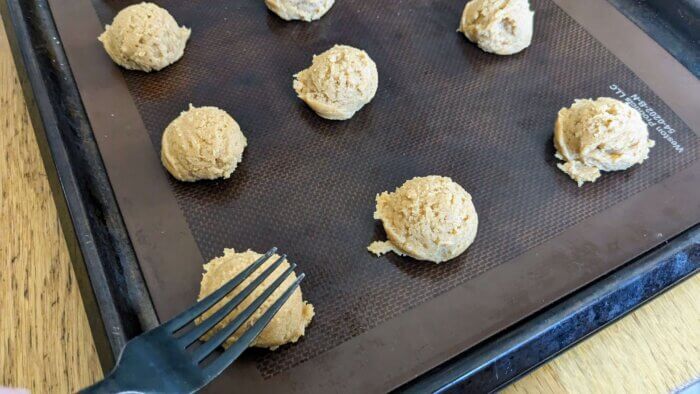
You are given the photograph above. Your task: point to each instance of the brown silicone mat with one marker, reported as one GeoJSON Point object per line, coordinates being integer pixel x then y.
{"type": "Point", "coordinates": [443, 107]}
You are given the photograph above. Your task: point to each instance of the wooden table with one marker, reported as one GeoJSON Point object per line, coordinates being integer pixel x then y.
{"type": "Point", "coordinates": [45, 341]}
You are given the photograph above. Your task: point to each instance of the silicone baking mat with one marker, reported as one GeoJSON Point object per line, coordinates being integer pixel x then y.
{"type": "Point", "coordinates": [443, 107]}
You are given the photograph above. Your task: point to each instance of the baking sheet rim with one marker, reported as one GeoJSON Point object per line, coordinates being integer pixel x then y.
{"type": "Point", "coordinates": [84, 52]}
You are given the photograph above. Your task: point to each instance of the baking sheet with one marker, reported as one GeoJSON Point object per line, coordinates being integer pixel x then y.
{"type": "Point", "coordinates": [443, 107]}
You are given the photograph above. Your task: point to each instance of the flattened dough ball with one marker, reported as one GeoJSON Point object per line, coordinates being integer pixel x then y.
{"type": "Point", "coordinates": [503, 27]}
{"type": "Point", "coordinates": [428, 218]}
{"type": "Point", "coordinates": [303, 10]}
{"type": "Point", "coordinates": [599, 135]}
{"type": "Point", "coordinates": [202, 143]}
{"type": "Point", "coordinates": [339, 82]}
{"type": "Point", "coordinates": [144, 37]}
{"type": "Point", "coordinates": [288, 324]}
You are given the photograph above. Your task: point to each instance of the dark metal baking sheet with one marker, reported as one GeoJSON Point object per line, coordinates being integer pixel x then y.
{"type": "Point", "coordinates": [675, 25]}
{"type": "Point", "coordinates": [512, 354]}
{"type": "Point", "coordinates": [298, 166]}
{"type": "Point", "coordinates": [691, 196]}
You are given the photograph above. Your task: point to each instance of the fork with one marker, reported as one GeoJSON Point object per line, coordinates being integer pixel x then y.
{"type": "Point", "coordinates": [163, 358]}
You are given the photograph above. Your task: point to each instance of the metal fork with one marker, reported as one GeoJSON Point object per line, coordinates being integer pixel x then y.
{"type": "Point", "coordinates": [163, 360]}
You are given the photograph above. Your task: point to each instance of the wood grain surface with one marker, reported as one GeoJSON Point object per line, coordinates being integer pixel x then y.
{"type": "Point", "coordinates": [45, 341]}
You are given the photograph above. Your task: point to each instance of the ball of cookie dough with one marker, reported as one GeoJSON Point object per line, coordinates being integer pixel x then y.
{"type": "Point", "coordinates": [339, 82]}
{"type": "Point", "coordinates": [202, 143]}
{"type": "Point", "coordinates": [144, 37]}
{"type": "Point", "coordinates": [599, 135]}
{"type": "Point", "coordinates": [288, 324]}
{"type": "Point", "coordinates": [303, 10]}
{"type": "Point", "coordinates": [428, 218]}
{"type": "Point", "coordinates": [503, 27]}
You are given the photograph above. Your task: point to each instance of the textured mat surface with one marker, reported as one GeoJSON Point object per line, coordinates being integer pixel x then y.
{"type": "Point", "coordinates": [443, 107]}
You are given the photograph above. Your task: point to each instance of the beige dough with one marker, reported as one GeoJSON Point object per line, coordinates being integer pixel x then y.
{"type": "Point", "coordinates": [288, 324]}
{"type": "Point", "coordinates": [202, 143]}
{"type": "Point", "coordinates": [503, 27]}
{"type": "Point", "coordinates": [144, 37]}
{"type": "Point", "coordinates": [428, 218]}
{"type": "Point", "coordinates": [339, 82]}
{"type": "Point", "coordinates": [599, 135]}
{"type": "Point", "coordinates": [304, 10]}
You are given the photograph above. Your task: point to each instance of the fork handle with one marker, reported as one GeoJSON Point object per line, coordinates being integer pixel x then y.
{"type": "Point", "coordinates": [107, 385]}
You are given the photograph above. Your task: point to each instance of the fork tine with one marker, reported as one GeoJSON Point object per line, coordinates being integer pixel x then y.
{"type": "Point", "coordinates": [197, 309]}
{"type": "Point", "coordinates": [211, 321]}
{"type": "Point", "coordinates": [232, 353]}
{"type": "Point", "coordinates": [207, 347]}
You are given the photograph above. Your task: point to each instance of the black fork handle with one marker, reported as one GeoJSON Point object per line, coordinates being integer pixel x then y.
{"type": "Point", "coordinates": [110, 384]}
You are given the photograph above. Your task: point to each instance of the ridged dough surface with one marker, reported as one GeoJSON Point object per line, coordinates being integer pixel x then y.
{"type": "Point", "coordinates": [288, 324]}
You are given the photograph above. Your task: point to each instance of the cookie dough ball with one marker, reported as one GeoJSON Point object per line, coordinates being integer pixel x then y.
{"type": "Point", "coordinates": [303, 10]}
{"type": "Point", "coordinates": [428, 218]}
{"type": "Point", "coordinates": [202, 143]}
{"type": "Point", "coordinates": [503, 27]}
{"type": "Point", "coordinates": [144, 37]}
{"type": "Point", "coordinates": [339, 82]}
{"type": "Point", "coordinates": [288, 324]}
{"type": "Point", "coordinates": [599, 135]}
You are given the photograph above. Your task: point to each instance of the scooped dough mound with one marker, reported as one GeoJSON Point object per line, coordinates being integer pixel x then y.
{"type": "Point", "coordinates": [304, 10]}
{"type": "Point", "coordinates": [428, 218]}
{"type": "Point", "coordinates": [202, 143]}
{"type": "Point", "coordinates": [599, 135]}
{"type": "Point", "coordinates": [144, 37]}
{"type": "Point", "coordinates": [339, 82]}
{"type": "Point", "coordinates": [503, 27]}
{"type": "Point", "coordinates": [288, 324]}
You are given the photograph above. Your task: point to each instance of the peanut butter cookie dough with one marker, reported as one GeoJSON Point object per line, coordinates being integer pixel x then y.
{"type": "Point", "coordinates": [503, 27]}
{"type": "Point", "coordinates": [339, 82]}
{"type": "Point", "coordinates": [303, 10]}
{"type": "Point", "coordinates": [288, 324]}
{"type": "Point", "coordinates": [202, 143]}
{"type": "Point", "coordinates": [599, 135]}
{"type": "Point", "coordinates": [428, 218]}
{"type": "Point", "coordinates": [144, 37]}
